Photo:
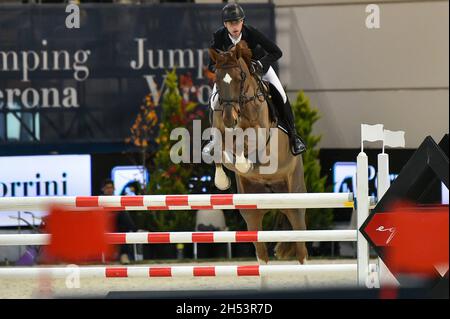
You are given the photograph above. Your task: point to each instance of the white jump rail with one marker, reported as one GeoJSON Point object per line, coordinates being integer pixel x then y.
{"type": "Point", "coordinates": [185, 202]}
{"type": "Point", "coordinates": [171, 271]}
{"type": "Point", "coordinates": [197, 237]}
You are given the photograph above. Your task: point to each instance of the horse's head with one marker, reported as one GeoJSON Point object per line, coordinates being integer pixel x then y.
{"type": "Point", "coordinates": [232, 81]}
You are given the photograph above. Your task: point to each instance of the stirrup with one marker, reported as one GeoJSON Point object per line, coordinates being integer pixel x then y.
{"type": "Point", "coordinates": [297, 145]}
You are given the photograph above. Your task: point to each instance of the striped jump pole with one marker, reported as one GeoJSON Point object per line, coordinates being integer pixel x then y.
{"type": "Point", "coordinates": [172, 271]}
{"type": "Point", "coordinates": [183, 202]}
{"type": "Point", "coordinates": [197, 237]}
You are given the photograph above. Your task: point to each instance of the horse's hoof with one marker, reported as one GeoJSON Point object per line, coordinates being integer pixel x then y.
{"type": "Point", "coordinates": [243, 164]}
{"type": "Point", "coordinates": [223, 184]}
{"type": "Point", "coordinates": [244, 167]}
{"type": "Point", "coordinates": [221, 180]}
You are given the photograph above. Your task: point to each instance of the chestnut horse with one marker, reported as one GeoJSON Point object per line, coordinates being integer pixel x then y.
{"type": "Point", "coordinates": [243, 104]}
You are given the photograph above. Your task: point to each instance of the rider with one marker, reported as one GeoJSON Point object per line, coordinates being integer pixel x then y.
{"type": "Point", "coordinates": [235, 30]}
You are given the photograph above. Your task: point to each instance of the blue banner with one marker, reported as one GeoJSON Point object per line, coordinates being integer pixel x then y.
{"type": "Point", "coordinates": [87, 84]}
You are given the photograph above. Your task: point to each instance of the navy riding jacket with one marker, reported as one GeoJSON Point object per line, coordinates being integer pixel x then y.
{"type": "Point", "coordinates": [263, 49]}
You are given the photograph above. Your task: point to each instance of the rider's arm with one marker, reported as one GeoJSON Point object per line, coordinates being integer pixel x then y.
{"type": "Point", "coordinates": [273, 52]}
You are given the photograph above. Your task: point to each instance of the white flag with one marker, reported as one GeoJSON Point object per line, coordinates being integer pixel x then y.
{"type": "Point", "coordinates": [372, 133]}
{"type": "Point", "coordinates": [394, 138]}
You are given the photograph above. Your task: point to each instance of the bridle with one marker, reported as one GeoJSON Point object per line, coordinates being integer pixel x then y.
{"type": "Point", "coordinates": [242, 99]}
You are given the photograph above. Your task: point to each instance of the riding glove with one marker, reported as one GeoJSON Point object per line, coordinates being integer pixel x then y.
{"type": "Point", "coordinates": [257, 68]}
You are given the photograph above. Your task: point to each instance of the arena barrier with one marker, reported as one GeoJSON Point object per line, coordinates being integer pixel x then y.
{"type": "Point", "coordinates": [361, 203]}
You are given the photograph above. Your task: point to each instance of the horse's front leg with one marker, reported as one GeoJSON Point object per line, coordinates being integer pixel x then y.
{"type": "Point", "coordinates": [244, 164]}
{"type": "Point", "coordinates": [210, 149]}
{"type": "Point", "coordinates": [212, 152]}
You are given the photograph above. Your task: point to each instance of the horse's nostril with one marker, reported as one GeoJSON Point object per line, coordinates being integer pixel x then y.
{"type": "Point", "coordinates": [229, 122]}
{"type": "Point", "coordinates": [230, 116]}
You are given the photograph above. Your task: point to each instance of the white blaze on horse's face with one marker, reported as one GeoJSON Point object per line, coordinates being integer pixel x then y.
{"type": "Point", "coordinates": [227, 78]}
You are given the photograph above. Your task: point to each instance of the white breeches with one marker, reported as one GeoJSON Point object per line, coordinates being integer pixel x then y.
{"type": "Point", "coordinates": [270, 76]}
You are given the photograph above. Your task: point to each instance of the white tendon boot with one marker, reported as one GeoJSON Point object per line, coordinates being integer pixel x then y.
{"type": "Point", "coordinates": [221, 179]}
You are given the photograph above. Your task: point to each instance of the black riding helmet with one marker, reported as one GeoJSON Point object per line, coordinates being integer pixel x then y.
{"type": "Point", "coordinates": [232, 12]}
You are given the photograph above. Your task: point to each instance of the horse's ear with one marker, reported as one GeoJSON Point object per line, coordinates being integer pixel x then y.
{"type": "Point", "coordinates": [213, 54]}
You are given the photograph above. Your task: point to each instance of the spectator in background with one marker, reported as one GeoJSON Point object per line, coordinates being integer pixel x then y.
{"type": "Point", "coordinates": [208, 220]}
{"type": "Point", "coordinates": [124, 224]}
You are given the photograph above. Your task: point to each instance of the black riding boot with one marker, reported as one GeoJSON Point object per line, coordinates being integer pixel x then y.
{"type": "Point", "coordinates": [297, 144]}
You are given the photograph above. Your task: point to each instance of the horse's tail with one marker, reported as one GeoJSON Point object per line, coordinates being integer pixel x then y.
{"type": "Point", "coordinates": [284, 250]}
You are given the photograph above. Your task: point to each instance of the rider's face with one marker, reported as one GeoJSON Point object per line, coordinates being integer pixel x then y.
{"type": "Point", "coordinates": [234, 27]}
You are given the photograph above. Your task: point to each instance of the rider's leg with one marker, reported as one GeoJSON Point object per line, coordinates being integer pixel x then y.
{"type": "Point", "coordinates": [297, 144]}
{"type": "Point", "coordinates": [214, 103]}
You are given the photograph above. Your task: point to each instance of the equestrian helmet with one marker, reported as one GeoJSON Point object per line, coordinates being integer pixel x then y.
{"type": "Point", "coordinates": [232, 12]}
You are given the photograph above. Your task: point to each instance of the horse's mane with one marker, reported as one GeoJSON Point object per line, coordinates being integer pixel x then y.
{"type": "Point", "coordinates": [245, 52]}
{"type": "Point", "coordinates": [232, 55]}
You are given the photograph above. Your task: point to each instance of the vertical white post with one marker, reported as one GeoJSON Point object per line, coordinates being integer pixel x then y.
{"type": "Point", "coordinates": [362, 211]}
{"type": "Point", "coordinates": [195, 251]}
{"type": "Point", "coordinates": [386, 278]}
